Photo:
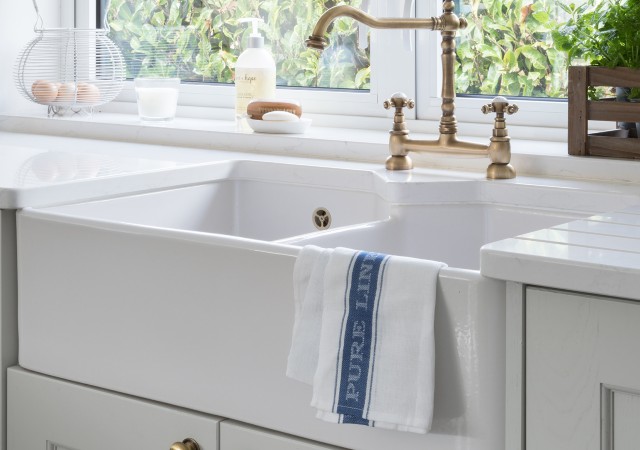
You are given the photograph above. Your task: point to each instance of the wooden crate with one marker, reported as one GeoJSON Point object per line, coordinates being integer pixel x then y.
{"type": "Point", "coordinates": [614, 143]}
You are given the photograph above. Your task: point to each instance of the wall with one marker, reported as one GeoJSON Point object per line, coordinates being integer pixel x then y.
{"type": "Point", "coordinates": [17, 19]}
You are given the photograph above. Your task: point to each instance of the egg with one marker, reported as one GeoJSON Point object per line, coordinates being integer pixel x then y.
{"type": "Point", "coordinates": [88, 93]}
{"type": "Point", "coordinates": [66, 92]}
{"type": "Point", "coordinates": [44, 91]}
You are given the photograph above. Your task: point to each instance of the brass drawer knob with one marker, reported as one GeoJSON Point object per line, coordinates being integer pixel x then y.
{"type": "Point", "coordinates": [187, 444]}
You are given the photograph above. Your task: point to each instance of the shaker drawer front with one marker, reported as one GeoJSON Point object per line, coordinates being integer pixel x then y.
{"type": "Point", "coordinates": [49, 413]}
{"type": "Point", "coordinates": [236, 436]}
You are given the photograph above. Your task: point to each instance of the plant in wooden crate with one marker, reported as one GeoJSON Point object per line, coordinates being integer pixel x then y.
{"type": "Point", "coordinates": [604, 34]}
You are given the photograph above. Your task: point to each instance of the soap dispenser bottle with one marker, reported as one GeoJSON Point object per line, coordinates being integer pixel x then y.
{"type": "Point", "coordinates": [255, 75]}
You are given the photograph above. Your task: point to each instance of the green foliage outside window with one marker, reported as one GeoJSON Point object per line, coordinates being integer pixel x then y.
{"type": "Point", "coordinates": [200, 40]}
{"type": "Point", "coordinates": [507, 49]}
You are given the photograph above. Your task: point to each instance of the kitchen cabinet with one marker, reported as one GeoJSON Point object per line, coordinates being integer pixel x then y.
{"type": "Point", "coordinates": [52, 414]}
{"type": "Point", "coordinates": [582, 371]}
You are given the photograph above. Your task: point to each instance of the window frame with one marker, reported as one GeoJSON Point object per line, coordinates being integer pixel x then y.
{"type": "Point", "coordinates": [388, 63]}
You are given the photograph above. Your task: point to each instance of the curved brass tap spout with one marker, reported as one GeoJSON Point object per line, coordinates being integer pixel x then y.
{"type": "Point", "coordinates": [319, 42]}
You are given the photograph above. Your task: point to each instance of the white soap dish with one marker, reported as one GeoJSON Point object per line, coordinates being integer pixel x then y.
{"type": "Point", "coordinates": [279, 126]}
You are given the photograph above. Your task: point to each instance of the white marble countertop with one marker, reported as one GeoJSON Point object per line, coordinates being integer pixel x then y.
{"type": "Point", "coordinates": [535, 152]}
{"type": "Point", "coordinates": [598, 255]}
{"type": "Point", "coordinates": [38, 170]}
{"type": "Point", "coordinates": [43, 170]}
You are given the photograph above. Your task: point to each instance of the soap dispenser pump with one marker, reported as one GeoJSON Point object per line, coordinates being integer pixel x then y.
{"type": "Point", "coordinates": [255, 75]}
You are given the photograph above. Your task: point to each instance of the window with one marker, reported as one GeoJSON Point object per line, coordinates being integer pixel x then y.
{"type": "Point", "coordinates": [506, 50]}
{"type": "Point", "coordinates": [199, 41]}
{"type": "Point", "coordinates": [340, 80]}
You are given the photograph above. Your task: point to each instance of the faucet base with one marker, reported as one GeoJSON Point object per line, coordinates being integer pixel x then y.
{"type": "Point", "coordinates": [497, 171]}
{"type": "Point", "coordinates": [398, 162]}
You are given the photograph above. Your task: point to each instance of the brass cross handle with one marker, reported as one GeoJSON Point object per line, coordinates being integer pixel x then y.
{"type": "Point", "coordinates": [398, 101]}
{"type": "Point", "coordinates": [500, 106]}
{"type": "Point", "coordinates": [187, 444]}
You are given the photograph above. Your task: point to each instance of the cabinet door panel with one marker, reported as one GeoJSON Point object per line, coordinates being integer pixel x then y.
{"type": "Point", "coordinates": [236, 436]}
{"type": "Point", "coordinates": [48, 413]}
{"type": "Point", "coordinates": [577, 346]}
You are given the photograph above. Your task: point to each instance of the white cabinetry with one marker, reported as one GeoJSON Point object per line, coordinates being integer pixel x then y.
{"type": "Point", "coordinates": [48, 413]}
{"type": "Point", "coordinates": [582, 366]}
{"type": "Point", "coordinates": [52, 414]}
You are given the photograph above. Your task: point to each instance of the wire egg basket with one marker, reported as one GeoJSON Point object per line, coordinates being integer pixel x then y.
{"type": "Point", "coordinates": [69, 68]}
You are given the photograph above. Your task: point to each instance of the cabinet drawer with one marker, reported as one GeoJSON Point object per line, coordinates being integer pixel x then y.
{"type": "Point", "coordinates": [49, 413]}
{"type": "Point", "coordinates": [236, 436]}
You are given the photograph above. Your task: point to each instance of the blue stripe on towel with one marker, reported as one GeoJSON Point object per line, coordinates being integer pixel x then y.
{"type": "Point", "coordinates": [359, 341]}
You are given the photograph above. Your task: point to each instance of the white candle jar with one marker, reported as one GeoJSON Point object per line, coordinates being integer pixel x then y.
{"type": "Point", "coordinates": [157, 98]}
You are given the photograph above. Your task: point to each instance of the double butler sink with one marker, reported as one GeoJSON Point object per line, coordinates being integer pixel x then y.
{"type": "Point", "coordinates": [184, 295]}
{"type": "Point", "coordinates": [424, 216]}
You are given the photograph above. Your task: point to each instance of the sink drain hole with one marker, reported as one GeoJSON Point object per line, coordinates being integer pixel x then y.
{"type": "Point", "coordinates": [321, 218]}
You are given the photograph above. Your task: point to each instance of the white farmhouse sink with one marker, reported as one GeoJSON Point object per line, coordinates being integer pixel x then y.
{"type": "Point", "coordinates": [265, 208]}
{"type": "Point", "coordinates": [185, 296]}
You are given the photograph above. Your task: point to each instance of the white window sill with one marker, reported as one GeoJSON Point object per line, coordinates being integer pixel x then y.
{"type": "Point", "coordinates": [329, 137]}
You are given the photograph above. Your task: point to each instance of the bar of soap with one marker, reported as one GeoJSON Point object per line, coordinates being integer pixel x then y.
{"type": "Point", "coordinates": [280, 116]}
{"type": "Point", "coordinates": [258, 108]}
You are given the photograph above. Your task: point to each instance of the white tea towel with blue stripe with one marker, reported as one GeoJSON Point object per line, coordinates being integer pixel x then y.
{"type": "Point", "coordinates": [308, 280]}
{"type": "Point", "coordinates": [376, 345]}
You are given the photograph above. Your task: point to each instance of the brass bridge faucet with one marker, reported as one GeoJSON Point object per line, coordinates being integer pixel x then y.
{"type": "Point", "coordinates": [499, 149]}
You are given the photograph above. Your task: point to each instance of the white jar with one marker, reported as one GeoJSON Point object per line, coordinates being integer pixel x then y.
{"type": "Point", "coordinates": [157, 98]}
